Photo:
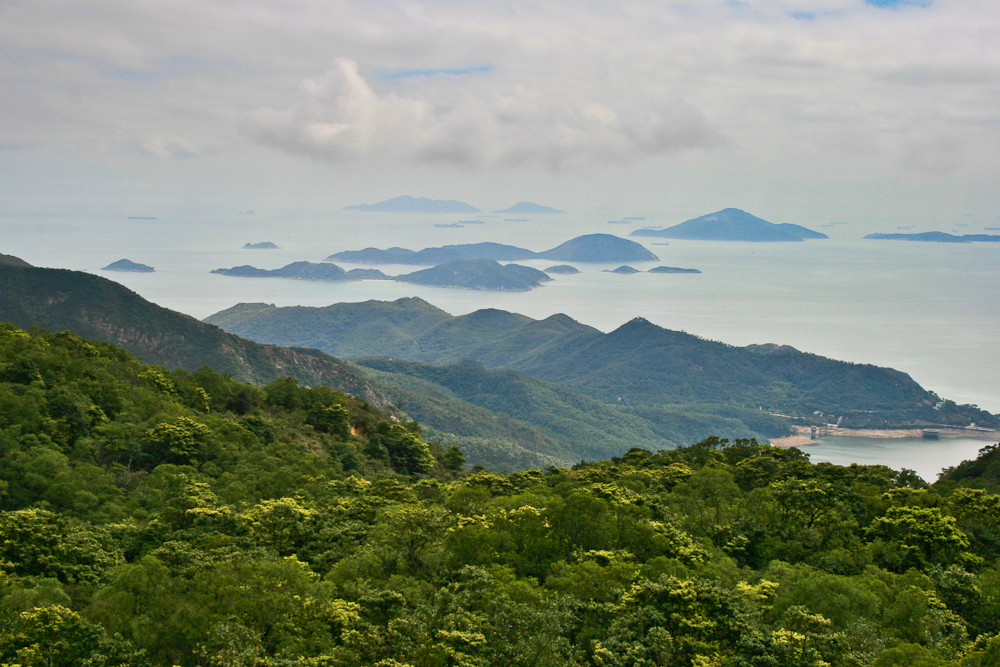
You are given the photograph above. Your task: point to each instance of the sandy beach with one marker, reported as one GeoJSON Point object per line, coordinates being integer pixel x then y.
{"type": "Point", "coordinates": [802, 433]}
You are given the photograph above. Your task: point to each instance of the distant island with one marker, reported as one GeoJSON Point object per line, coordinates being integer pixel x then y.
{"type": "Point", "coordinates": [732, 224]}
{"type": "Point", "coordinates": [10, 260]}
{"type": "Point", "coordinates": [672, 269]}
{"type": "Point", "coordinates": [480, 274]}
{"type": "Point", "coordinates": [433, 256]}
{"type": "Point", "coordinates": [562, 268]}
{"type": "Point", "coordinates": [937, 237]}
{"type": "Point", "coordinates": [408, 204]}
{"type": "Point", "coordinates": [659, 269]}
{"type": "Point", "coordinates": [126, 265]}
{"type": "Point", "coordinates": [263, 245]}
{"type": "Point", "coordinates": [528, 208]}
{"type": "Point", "coordinates": [587, 248]}
{"type": "Point", "coordinates": [304, 271]}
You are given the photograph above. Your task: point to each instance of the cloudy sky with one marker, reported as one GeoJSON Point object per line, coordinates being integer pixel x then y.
{"type": "Point", "coordinates": [798, 110]}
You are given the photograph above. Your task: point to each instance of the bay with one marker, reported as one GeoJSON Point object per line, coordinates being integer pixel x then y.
{"type": "Point", "coordinates": [925, 457]}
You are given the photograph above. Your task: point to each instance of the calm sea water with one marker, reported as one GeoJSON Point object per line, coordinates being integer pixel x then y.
{"type": "Point", "coordinates": [930, 310]}
{"type": "Point", "coordinates": [926, 457]}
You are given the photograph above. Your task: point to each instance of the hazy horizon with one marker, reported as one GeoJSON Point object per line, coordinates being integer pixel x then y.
{"type": "Point", "coordinates": [806, 111]}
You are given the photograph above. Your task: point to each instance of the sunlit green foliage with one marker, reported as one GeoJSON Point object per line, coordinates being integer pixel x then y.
{"type": "Point", "coordinates": [159, 518]}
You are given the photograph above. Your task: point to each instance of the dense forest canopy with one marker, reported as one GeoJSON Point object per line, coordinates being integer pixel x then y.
{"type": "Point", "coordinates": [157, 517]}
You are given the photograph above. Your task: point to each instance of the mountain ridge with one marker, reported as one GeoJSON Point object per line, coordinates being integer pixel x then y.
{"type": "Point", "coordinates": [638, 363]}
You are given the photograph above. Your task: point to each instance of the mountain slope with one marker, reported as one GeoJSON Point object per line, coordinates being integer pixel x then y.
{"type": "Point", "coordinates": [94, 307]}
{"type": "Point", "coordinates": [640, 364]}
{"type": "Point", "coordinates": [97, 308]}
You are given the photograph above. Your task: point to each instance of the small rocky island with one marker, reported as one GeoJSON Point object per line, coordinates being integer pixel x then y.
{"type": "Point", "coordinates": [562, 268]}
{"type": "Point", "coordinates": [937, 237]}
{"type": "Point", "coordinates": [672, 269]}
{"type": "Point", "coordinates": [263, 245]}
{"type": "Point", "coordinates": [128, 266]}
{"type": "Point", "coordinates": [623, 269]}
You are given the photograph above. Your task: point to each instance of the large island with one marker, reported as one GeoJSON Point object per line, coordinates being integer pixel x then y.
{"type": "Point", "coordinates": [732, 224]}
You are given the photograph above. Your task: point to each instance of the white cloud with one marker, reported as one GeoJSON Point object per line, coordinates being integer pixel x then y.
{"type": "Point", "coordinates": [340, 117]}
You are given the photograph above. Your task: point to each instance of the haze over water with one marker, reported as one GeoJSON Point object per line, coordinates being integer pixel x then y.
{"type": "Point", "coordinates": [931, 310]}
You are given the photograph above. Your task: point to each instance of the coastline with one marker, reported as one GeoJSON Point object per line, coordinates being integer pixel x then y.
{"type": "Point", "coordinates": [801, 437]}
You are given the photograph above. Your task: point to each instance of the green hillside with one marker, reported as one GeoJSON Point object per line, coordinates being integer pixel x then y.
{"type": "Point", "coordinates": [66, 300]}
{"type": "Point", "coordinates": [151, 518]}
{"type": "Point", "coordinates": [94, 307]}
{"type": "Point", "coordinates": [639, 364]}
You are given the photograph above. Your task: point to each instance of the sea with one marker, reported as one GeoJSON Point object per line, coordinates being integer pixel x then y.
{"type": "Point", "coordinates": [931, 310]}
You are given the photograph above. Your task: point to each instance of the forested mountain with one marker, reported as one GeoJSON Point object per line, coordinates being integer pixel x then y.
{"type": "Point", "coordinates": [488, 425]}
{"type": "Point", "coordinates": [638, 364]}
{"type": "Point", "coordinates": [94, 307]}
{"type": "Point", "coordinates": [154, 519]}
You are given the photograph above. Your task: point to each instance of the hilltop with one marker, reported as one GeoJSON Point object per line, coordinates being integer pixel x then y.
{"type": "Point", "coordinates": [732, 224]}
{"type": "Point", "coordinates": [408, 204]}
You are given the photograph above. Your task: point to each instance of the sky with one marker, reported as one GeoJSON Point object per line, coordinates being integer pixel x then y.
{"type": "Point", "coordinates": [882, 112]}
